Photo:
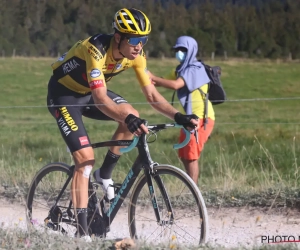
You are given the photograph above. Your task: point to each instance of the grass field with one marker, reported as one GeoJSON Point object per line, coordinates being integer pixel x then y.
{"type": "Point", "coordinates": [251, 157]}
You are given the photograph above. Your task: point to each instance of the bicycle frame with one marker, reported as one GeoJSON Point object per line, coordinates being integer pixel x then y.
{"type": "Point", "coordinates": [142, 162]}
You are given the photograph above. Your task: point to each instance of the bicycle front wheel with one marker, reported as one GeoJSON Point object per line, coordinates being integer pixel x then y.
{"type": "Point", "coordinates": [182, 211]}
{"type": "Point", "coordinates": [48, 200]}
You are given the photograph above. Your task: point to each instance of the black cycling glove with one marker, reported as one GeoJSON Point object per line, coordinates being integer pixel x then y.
{"type": "Point", "coordinates": [133, 122]}
{"type": "Point", "coordinates": [185, 120]}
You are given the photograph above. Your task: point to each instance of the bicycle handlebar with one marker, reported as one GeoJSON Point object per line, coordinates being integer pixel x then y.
{"type": "Point", "coordinates": [186, 139]}
{"type": "Point", "coordinates": [131, 146]}
{"type": "Point", "coordinates": [159, 127]}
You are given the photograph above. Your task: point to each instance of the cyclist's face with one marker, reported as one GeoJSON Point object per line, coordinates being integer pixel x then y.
{"type": "Point", "coordinates": [128, 50]}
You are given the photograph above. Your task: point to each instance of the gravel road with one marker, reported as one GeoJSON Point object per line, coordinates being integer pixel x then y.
{"type": "Point", "coordinates": [229, 227]}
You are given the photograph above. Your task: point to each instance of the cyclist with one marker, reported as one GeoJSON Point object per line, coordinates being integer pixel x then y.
{"type": "Point", "coordinates": [190, 81]}
{"type": "Point", "coordinates": [78, 88]}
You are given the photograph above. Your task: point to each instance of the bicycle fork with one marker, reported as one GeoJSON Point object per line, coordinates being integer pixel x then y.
{"type": "Point", "coordinates": [160, 184]}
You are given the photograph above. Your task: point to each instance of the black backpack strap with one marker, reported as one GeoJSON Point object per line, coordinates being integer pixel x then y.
{"type": "Point", "coordinates": [172, 102]}
{"type": "Point", "coordinates": [205, 106]}
{"type": "Point", "coordinates": [185, 105]}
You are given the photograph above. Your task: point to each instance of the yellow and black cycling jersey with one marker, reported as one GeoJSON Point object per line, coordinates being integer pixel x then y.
{"type": "Point", "coordinates": [90, 64]}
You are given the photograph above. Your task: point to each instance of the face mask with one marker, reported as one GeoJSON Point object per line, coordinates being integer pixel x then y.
{"type": "Point", "coordinates": [180, 56]}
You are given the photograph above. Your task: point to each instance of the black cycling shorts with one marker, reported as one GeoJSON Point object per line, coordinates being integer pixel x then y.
{"type": "Point", "coordinates": [68, 107]}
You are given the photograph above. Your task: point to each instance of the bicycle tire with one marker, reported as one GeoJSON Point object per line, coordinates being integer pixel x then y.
{"type": "Point", "coordinates": [142, 221]}
{"type": "Point", "coordinates": [43, 191]}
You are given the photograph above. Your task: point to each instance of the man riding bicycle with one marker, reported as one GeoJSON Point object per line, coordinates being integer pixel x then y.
{"type": "Point", "coordinates": [78, 88]}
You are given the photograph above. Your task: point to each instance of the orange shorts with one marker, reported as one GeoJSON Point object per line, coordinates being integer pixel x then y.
{"type": "Point", "coordinates": [193, 150]}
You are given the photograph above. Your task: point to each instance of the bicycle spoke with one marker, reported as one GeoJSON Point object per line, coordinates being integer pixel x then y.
{"type": "Point", "coordinates": [44, 193]}
{"type": "Point", "coordinates": [182, 225]}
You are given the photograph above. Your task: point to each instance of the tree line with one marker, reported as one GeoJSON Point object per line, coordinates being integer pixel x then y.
{"type": "Point", "coordinates": [246, 28]}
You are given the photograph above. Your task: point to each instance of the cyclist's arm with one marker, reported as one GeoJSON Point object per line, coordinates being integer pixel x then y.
{"type": "Point", "coordinates": [98, 88]}
{"type": "Point", "coordinates": [156, 100]}
{"type": "Point", "coordinates": [159, 103]}
{"type": "Point", "coordinates": [108, 106]}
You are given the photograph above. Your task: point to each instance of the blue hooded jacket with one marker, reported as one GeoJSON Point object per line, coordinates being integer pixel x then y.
{"type": "Point", "coordinates": [191, 70]}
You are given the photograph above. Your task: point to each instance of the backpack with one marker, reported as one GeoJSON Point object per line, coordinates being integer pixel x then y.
{"type": "Point", "coordinates": [216, 93]}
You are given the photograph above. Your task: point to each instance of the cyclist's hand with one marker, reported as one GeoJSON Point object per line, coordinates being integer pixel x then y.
{"type": "Point", "coordinates": [136, 125]}
{"type": "Point", "coordinates": [189, 122]}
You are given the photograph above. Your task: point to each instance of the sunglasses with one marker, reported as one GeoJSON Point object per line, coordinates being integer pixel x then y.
{"type": "Point", "coordinates": [180, 49]}
{"type": "Point", "coordinates": [134, 41]}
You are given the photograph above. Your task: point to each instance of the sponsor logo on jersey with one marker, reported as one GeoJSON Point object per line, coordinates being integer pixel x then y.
{"type": "Point", "coordinates": [118, 66]}
{"type": "Point", "coordinates": [95, 73]}
{"type": "Point", "coordinates": [69, 66]}
{"type": "Point", "coordinates": [92, 50]}
{"type": "Point", "coordinates": [66, 122]}
{"type": "Point", "coordinates": [110, 66]}
{"type": "Point", "coordinates": [96, 84]}
{"type": "Point", "coordinates": [83, 140]}
{"type": "Point", "coordinates": [95, 57]}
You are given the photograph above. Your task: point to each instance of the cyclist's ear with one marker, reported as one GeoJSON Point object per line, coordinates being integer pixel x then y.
{"type": "Point", "coordinates": [117, 37]}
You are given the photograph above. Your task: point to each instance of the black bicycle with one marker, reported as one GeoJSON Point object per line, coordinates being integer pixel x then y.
{"type": "Point", "coordinates": [165, 205]}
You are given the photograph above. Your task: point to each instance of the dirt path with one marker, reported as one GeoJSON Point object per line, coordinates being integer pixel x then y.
{"type": "Point", "coordinates": [229, 227]}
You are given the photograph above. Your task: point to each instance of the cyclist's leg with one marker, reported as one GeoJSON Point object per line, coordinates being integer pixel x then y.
{"type": "Point", "coordinates": [122, 133]}
{"type": "Point", "coordinates": [63, 105]}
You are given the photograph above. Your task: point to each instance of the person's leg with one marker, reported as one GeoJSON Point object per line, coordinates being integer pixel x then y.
{"type": "Point", "coordinates": [190, 154]}
{"type": "Point", "coordinates": [113, 154]}
{"type": "Point", "coordinates": [63, 105]}
{"type": "Point", "coordinates": [84, 162]}
{"type": "Point", "coordinates": [192, 169]}
{"type": "Point", "coordinates": [104, 173]}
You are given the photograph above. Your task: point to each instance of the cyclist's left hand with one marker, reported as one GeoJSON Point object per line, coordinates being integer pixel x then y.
{"type": "Point", "coordinates": [189, 122]}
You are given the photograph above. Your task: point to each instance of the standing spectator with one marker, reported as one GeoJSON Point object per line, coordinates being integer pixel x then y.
{"type": "Point", "coordinates": [190, 81]}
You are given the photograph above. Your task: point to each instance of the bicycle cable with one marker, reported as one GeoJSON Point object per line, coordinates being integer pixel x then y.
{"type": "Point", "coordinates": [151, 134]}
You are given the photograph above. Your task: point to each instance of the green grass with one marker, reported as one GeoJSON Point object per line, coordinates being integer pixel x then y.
{"type": "Point", "coordinates": [254, 147]}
